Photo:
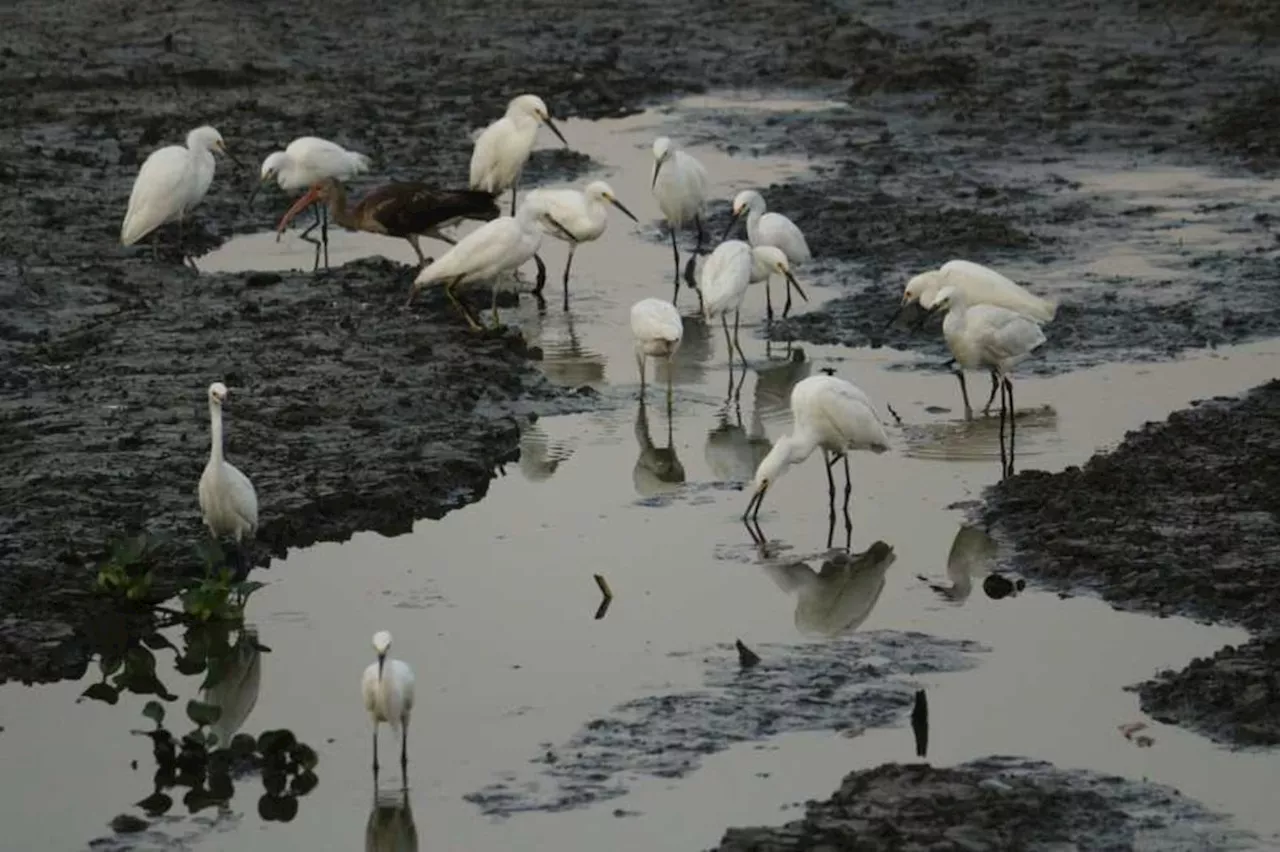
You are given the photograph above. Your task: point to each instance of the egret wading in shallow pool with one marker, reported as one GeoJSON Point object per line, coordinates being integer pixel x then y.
{"type": "Point", "coordinates": [489, 251]}
{"type": "Point", "coordinates": [769, 229]}
{"type": "Point", "coordinates": [171, 182]}
{"type": "Point", "coordinates": [680, 186]}
{"type": "Point", "coordinates": [574, 217]}
{"type": "Point", "coordinates": [657, 329]}
{"type": "Point", "coordinates": [388, 696]}
{"type": "Point", "coordinates": [227, 499]}
{"type": "Point", "coordinates": [306, 161]}
{"type": "Point", "coordinates": [730, 269]}
{"type": "Point", "coordinates": [830, 413]}
{"type": "Point", "coordinates": [503, 147]}
{"type": "Point", "coordinates": [986, 337]}
{"type": "Point", "coordinates": [405, 210]}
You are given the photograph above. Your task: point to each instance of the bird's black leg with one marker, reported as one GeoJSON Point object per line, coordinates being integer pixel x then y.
{"type": "Point", "coordinates": [513, 196]}
{"type": "Point", "coordinates": [324, 232]}
{"type": "Point", "coordinates": [375, 754]}
{"type": "Point", "coordinates": [675, 254]}
{"type": "Point", "coordinates": [768, 301]}
{"type": "Point", "coordinates": [542, 280]}
{"type": "Point", "coordinates": [568, 263]}
{"type": "Point", "coordinates": [404, 751]}
{"type": "Point", "coordinates": [995, 383]}
{"type": "Point", "coordinates": [728, 343]}
{"type": "Point", "coordinates": [848, 491]}
{"type": "Point", "coordinates": [964, 391]}
{"type": "Point", "coordinates": [736, 342]}
{"type": "Point", "coordinates": [697, 222]}
{"type": "Point", "coordinates": [828, 461]}
{"type": "Point", "coordinates": [1013, 426]}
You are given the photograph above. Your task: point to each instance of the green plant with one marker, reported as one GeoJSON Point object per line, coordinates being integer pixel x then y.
{"type": "Point", "coordinates": [129, 568]}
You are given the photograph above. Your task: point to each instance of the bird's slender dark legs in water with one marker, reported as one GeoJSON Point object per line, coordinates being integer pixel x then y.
{"type": "Point", "coordinates": [641, 360]}
{"type": "Point", "coordinates": [513, 195]}
{"type": "Point", "coordinates": [995, 383]}
{"type": "Point", "coordinates": [728, 342]}
{"type": "Point", "coordinates": [541, 282]}
{"type": "Point", "coordinates": [675, 253]}
{"type": "Point", "coordinates": [568, 263]}
{"type": "Point", "coordinates": [375, 754]}
{"type": "Point", "coordinates": [768, 302]}
{"type": "Point", "coordinates": [404, 750]}
{"type": "Point", "coordinates": [448, 291]}
{"type": "Point", "coordinates": [964, 391]}
{"type": "Point", "coordinates": [848, 491]}
{"type": "Point", "coordinates": [697, 248]}
{"type": "Point", "coordinates": [324, 232]}
{"type": "Point", "coordinates": [736, 317]}
{"type": "Point", "coordinates": [1013, 426]}
{"type": "Point", "coordinates": [669, 395]}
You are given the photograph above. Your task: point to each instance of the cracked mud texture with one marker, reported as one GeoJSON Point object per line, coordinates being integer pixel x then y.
{"type": "Point", "coordinates": [994, 803]}
{"type": "Point", "coordinates": [849, 685]}
{"type": "Point", "coordinates": [1183, 517]}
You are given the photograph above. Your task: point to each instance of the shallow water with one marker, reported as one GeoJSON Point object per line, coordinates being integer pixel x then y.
{"type": "Point", "coordinates": [494, 604]}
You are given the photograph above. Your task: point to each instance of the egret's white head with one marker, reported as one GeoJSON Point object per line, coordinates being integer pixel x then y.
{"type": "Point", "coordinates": [944, 298]}
{"type": "Point", "coordinates": [774, 261]}
{"type": "Point", "coordinates": [217, 393]}
{"type": "Point", "coordinates": [533, 107]}
{"type": "Point", "coordinates": [748, 199]}
{"type": "Point", "coordinates": [598, 190]}
{"type": "Point", "coordinates": [381, 642]}
{"type": "Point", "coordinates": [771, 468]}
{"type": "Point", "coordinates": [661, 148]}
{"type": "Point", "coordinates": [272, 165]}
{"type": "Point", "coordinates": [921, 288]}
{"type": "Point", "coordinates": [206, 138]}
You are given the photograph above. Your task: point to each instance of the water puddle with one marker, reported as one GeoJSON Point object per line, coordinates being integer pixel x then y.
{"type": "Point", "coordinates": [495, 605]}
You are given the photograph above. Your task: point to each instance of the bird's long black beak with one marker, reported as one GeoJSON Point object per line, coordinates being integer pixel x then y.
{"type": "Point", "coordinates": [257, 187]}
{"type": "Point", "coordinates": [382, 658]}
{"type": "Point", "coordinates": [226, 152]}
{"type": "Point", "coordinates": [728, 229]}
{"type": "Point", "coordinates": [616, 203]}
{"type": "Point", "coordinates": [901, 309]}
{"type": "Point", "coordinates": [756, 500]}
{"type": "Point", "coordinates": [657, 167]}
{"type": "Point", "coordinates": [792, 282]}
{"type": "Point", "coordinates": [556, 130]}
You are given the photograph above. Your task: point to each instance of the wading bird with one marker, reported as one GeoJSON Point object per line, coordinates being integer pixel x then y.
{"type": "Point", "coordinates": [227, 499]}
{"type": "Point", "coordinates": [980, 286]}
{"type": "Point", "coordinates": [830, 413]}
{"type": "Point", "coordinates": [680, 186]}
{"type": "Point", "coordinates": [171, 182]}
{"type": "Point", "coordinates": [732, 266]}
{"type": "Point", "coordinates": [503, 147]}
{"type": "Point", "coordinates": [487, 252]}
{"type": "Point", "coordinates": [986, 337]}
{"type": "Point", "coordinates": [574, 217]}
{"type": "Point", "coordinates": [388, 696]}
{"type": "Point", "coordinates": [405, 210]}
{"type": "Point", "coordinates": [306, 161]}
{"type": "Point", "coordinates": [769, 229]}
{"type": "Point", "coordinates": [657, 328]}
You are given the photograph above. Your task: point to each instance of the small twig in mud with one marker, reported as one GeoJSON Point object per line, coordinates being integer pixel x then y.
{"type": "Point", "coordinates": [606, 593]}
{"type": "Point", "coordinates": [746, 657]}
{"type": "Point", "coordinates": [896, 418]}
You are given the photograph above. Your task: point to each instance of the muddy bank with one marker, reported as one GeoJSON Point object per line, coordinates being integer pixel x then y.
{"type": "Point", "coordinates": [1181, 518]}
{"type": "Point", "coordinates": [848, 685]}
{"type": "Point", "coordinates": [994, 803]}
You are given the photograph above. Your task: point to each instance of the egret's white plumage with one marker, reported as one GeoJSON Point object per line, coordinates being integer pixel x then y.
{"type": "Point", "coordinates": [308, 160]}
{"type": "Point", "coordinates": [657, 328]}
{"type": "Point", "coordinates": [574, 217]}
{"type": "Point", "coordinates": [387, 687]}
{"type": "Point", "coordinates": [499, 246]}
{"type": "Point", "coordinates": [727, 273]}
{"type": "Point", "coordinates": [227, 499]}
{"type": "Point", "coordinates": [503, 147]}
{"type": "Point", "coordinates": [830, 413]}
{"type": "Point", "coordinates": [171, 182]}
{"type": "Point", "coordinates": [980, 286]}
{"type": "Point", "coordinates": [680, 187]}
{"type": "Point", "coordinates": [769, 229]}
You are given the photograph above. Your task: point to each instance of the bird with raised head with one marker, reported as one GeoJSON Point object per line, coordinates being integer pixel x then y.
{"type": "Point", "coordinates": [388, 696]}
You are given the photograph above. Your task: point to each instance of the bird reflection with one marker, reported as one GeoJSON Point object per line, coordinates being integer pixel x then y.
{"type": "Point", "coordinates": [236, 692]}
{"type": "Point", "coordinates": [971, 554]}
{"type": "Point", "coordinates": [567, 362]}
{"type": "Point", "coordinates": [689, 366]}
{"type": "Point", "coordinates": [390, 825]}
{"type": "Point", "coordinates": [539, 455]}
{"type": "Point", "coordinates": [776, 379]}
{"type": "Point", "coordinates": [839, 597]}
{"type": "Point", "coordinates": [732, 452]}
{"type": "Point", "coordinates": [657, 469]}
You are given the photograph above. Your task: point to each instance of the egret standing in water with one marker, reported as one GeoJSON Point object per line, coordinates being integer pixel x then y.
{"type": "Point", "coordinates": [574, 217]}
{"type": "Point", "coordinates": [829, 413]}
{"type": "Point", "coordinates": [388, 696]}
{"type": "Point", "coordinates": [227, 499]}
{"type": "Point", "coordinates": [725, 278]}
{"type": "Point", "coordinates": [769, 229]}
{"type": "Point", "coordinates": [657, 329]}
{"type": "Point", "coordinates": [986, 337]}
{"type": "Point", "coordinates": [308, 160]}
{"type": "Point", "coordinates": [680, 187]}
{"type": "Point", "coordinates": [503, 147]}
{"type": "Point", "coordinates": [171, 182]}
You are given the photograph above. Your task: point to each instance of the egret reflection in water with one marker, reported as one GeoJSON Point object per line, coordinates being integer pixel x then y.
{"type": "Point", "coordinates": [972, 552]}
{"type": "Point", "coordinates": [978, 439]}
{"type": "Point", "coordinates": [657, 470]}
{"type": "Point", "coordinates": [775, 379]}
{"type": "Point", "coordinates": [837, 598]}
{"type": "Point", "coordinates": [732, 452]}
{"type": "Point", "coordinates": [235, 692]}
{"type": "Point", "coordinates": [540, 456]}
{"type": "Point", "coordinates": [566, 361]}
{"type": "Point", "coordinates": [390, 825]}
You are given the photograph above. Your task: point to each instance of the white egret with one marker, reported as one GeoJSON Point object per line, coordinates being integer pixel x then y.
{"type": "Point", "coordinates": [171, 182]}
{"type": "Point", "coordinates": [388, 696]}
{"type": "Point", "coordinates": [574, 217]}
{"type": "Point", "coordinates": [769, 229]}
{"type": "Point", "coordinates": [227, 499]}
{"type": "Point", "coordinates": [830, 413]}
{"type": "Point", "coordinates": [680, 186]}
{"type": "Point", "coordinates": [490, 250]}
{"type": "Point", "coordinates": [725, 276]}
{"type": "Point", "coordinates": [503, 147]}
{"type": "Point", "coordinates": [980, 285]}
{"type": "Point", "coordinates": [305, 161]}
{"type": "Point", "coordinates": [657, 328]}
{"type": "Point", "coordinates": [986, 337]}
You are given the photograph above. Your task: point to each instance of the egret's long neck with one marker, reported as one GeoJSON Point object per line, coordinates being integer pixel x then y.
{"type": "Point", "coordinates": [800, 444]}
{"type": "Point", "coordinates": [754, 212]}
{"type": "Point", "coordinates": [215, 432]}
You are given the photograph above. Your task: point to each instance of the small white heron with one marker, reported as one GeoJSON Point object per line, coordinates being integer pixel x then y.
{"type": "Point", "coordinates": [830, 413]}
{"type": "Point", "coordinates": [227, 499]}
{"type": "Point", "coordinates": [986, 337]}
{"type": "Point", "coordinates": [503, 147]}
{"type": "Point", "coordinates": [980, 285]}
{"type": "Point", "coordinates": [574, 217]}
{"type": "Point", "coordinates": [171, 182]}
{"type": "Point", "coordinates": [308, 160]}
{"type": "Point", "coordinates": [388, 696]}
{"type": "Point", "coordinates": [657, 328]}
{"type": "Point", "coordinates": [680, 186]}
{"type": "Point", "coordinates": [727, 273]}
{"type": "Point", "coordinates": [492, 249]}
{"type": "Point", "coordinates": [769, 229]}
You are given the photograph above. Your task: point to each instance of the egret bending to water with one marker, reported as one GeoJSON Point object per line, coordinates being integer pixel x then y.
{"type": "Point", "coordinates": [980, 286]}
{"type": "Point", "coordinates": [171, 182]}
{"type": "Point", "coordinates": [503, 147]}
{"type": "Point", "coordinates": [308, 160]}
{"type": "Point", "coordinates": [657, 329]}
{"type": "Point", "coordinates": [490, 250]}
{"type": "Point", "coordinates": [574, 217]}
{"type": "Point", "coordinates": [725, 276]}
{"type": "Point", "coordinates": [227, 499]}
{"type": "Point", "coordinates": [829, 413]}
{"type": "Point", "coordinates": [680, 186]}
{"type": "Point", "coordinates": [388, 696]}
{"type": "Point", "coordinates": [769, 229]}
{"type": "Point", "coordinates": [986, 336]}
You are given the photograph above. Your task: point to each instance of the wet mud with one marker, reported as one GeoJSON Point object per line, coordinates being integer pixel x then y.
{"type": "Point", "coordinates": [1181, 518]}
{"type": "Point", "coordinates": [994, 803]}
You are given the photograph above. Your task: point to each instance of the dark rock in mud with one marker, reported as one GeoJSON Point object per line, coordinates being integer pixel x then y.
{"type": "Point", "coordinates": [857, 682]}
{"type": "Point", "coordinates": [1182, 518]}
{"type": "Point", "coordinates": [994, 803]}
